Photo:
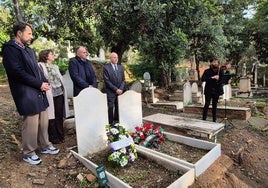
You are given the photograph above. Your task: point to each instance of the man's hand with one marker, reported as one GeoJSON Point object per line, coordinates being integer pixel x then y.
{"type": "Point", "coordinates": [45, 86]}
{"type": "Point", "coordinates": [119, 91]}
{"type": "Point", "coordinates": [215, 77]}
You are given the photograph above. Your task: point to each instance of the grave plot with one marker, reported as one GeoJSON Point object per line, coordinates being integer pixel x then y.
{"type": "Point", "coordinates": [131, 119]}
{"type": "Point", "coordinates": [91, 116]}
{"type": "Point", "coordinates": [168, 173]}
{"type": "Point", "coordinates": [210, 152]}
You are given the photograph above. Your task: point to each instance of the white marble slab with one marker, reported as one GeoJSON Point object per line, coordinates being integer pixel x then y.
{"type": "Point", "coordinates": [210, 128]}
{"type": "Point", "coordinates": [91, 117]}
{"type": "Point", "coordinates": [130, 110]}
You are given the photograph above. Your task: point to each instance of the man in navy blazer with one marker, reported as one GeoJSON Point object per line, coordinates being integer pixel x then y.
{"type": "Point", "coordinates": [28, 86]}
{"type": "Point", "coordinates": [114, 79]}
{"type": "Point", "coordinates": [81, 71]}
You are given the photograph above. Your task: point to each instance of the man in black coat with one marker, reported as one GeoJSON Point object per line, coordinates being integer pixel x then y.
{"type": "Point", "coordinates": [114, 79]}
{"type": "Point", "coordinates": [28, 86]}
{"type": "Point", "coordinates": [81, 71]}
{"type": "Point", "coordinates": [213, 88]}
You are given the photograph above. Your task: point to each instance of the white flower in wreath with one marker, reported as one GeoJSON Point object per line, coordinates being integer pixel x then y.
{"type": "Point", "coordinates": [115, 155]}
{"type": "Point", "coordinates": [114, 131]}
{"type": "Point", "coordinates": [123, 150]}
{"type": "Point", "coordinates": [123, 161]}
{"type": "Point", "coordinates": [122, 137]}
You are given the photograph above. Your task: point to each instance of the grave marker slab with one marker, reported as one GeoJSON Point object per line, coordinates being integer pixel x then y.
{"type": "Point", "coordinates": [194, 87]}
{"type": "Point", "coordinates": [68, 83]}
{"type": "Point", "coordinates": [91, 117]}
{"type": "Point", "coordinates": [187, 93]}
{"type": "Point", "coordinates": [136, 86]}
{"type": "Point", "coordinates": [147, 79]}
{"type": "Point", "coordinates": [130, 109]}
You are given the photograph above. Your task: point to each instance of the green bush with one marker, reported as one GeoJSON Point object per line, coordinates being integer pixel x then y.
{"type": "Point", "coordinates": [2, 72]}
{"type": "Point", "coordinates": [63, 65]}
{"type": "Point", "coordinates": [139, 69]}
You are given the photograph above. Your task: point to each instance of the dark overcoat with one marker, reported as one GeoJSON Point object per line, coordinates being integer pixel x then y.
{"type": "Point", "coordinates": [212, 86]}
{"type": "Point", "coordinates": [82, 74]}
{"type": "Point", "coordinates": [25, 78]}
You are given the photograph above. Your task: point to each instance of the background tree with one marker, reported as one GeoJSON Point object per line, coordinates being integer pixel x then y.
{"type": "Point", "coordinates": [119, 23]}
{"type": "Point", "coordinates": [259, 30]}
{"type": "Point", "coordinates": [162, 42]}
{"type": "Point", "coordinates": [235, 29]}
{"type": "Point", "coordinates": [60, 21]}
{"type": "Point", "coordinates": [4, 25]}
{"type": "Point", "coordinates": [204, 31]}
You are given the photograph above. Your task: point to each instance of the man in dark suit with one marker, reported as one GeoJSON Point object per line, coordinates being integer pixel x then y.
{"type": "Point", "coordinates": [114, 79]}
{"type": "Point", "coordinates": [28, 86]}
{"type": "Point", "coordinates": [81, 71]}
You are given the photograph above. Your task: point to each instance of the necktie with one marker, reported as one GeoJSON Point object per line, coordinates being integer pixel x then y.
{"type": "Point", "coordinates": [115, 69]}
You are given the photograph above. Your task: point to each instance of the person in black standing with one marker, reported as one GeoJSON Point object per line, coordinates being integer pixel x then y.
{"type": "Point", "coordinates": [114, 79]}
{"type": "Point", "coordinates": [81, 71]}
{"type": "Point", "coordinates": [213, 88]}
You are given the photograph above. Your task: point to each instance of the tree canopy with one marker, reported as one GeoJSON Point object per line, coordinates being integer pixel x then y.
{"type": "Point", "coordinates": [164, 32]}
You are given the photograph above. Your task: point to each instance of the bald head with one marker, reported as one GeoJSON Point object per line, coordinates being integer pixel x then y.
{"type": "Point", "coordinates": [114, 58]}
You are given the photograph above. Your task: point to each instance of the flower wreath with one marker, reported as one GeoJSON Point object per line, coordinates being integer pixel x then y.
{"type": "Point", "coordinates": [121, 145]}
{"type": "Point", "coordinates": [148, 135]}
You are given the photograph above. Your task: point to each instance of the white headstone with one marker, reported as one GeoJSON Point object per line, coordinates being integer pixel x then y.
{"type": "Point", "coordinates": [68, 83]}
{"type": "Point", "coordinates": [227, 89]}
{"type": "Point", "coordinates": [194, 87]}
{"type": "Point", "coordinates": [136, 86]}
{"type": "Point", "coordinates": [130, 110]}
{"type": "Point", "coordinates": [187, 93]}
{"type": "Point", "coordinates": [91, 117]}
{"type": "Point", "coordinates": [102, 54]}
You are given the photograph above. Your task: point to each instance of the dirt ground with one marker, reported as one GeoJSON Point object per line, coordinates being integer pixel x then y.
{"type": "Point", "coordinates": [244, 160]}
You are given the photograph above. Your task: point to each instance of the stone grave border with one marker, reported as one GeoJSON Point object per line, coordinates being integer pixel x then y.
{"type": "Point", "coordinates": [202, 164]}
{"type": "Point", "coordinates": [185, 180]}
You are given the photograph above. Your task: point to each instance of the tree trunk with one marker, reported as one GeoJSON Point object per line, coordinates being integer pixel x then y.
{"type": "Point", "coordinates": [120, 48]}
{"type": "Point", "coordinates": [196, 59]}
{"type": "Point", "coordinates": [17, 11]}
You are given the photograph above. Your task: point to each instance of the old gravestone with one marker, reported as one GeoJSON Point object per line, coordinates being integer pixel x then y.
{"type": "Point", "coordinates": [194, 88]}
{"type": "Point", "coordinates": [68, 83]}
{"type": "Point", "coordinates": [147, 79]}
{"type": "Point", "coordinates": [136, 86]}
{"type": "Point", "coordinates": [91, 117]}
{"type": "Point", "coordinates": [149, 86]}
{"type": "Point", "coordinates": [187, 93]}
